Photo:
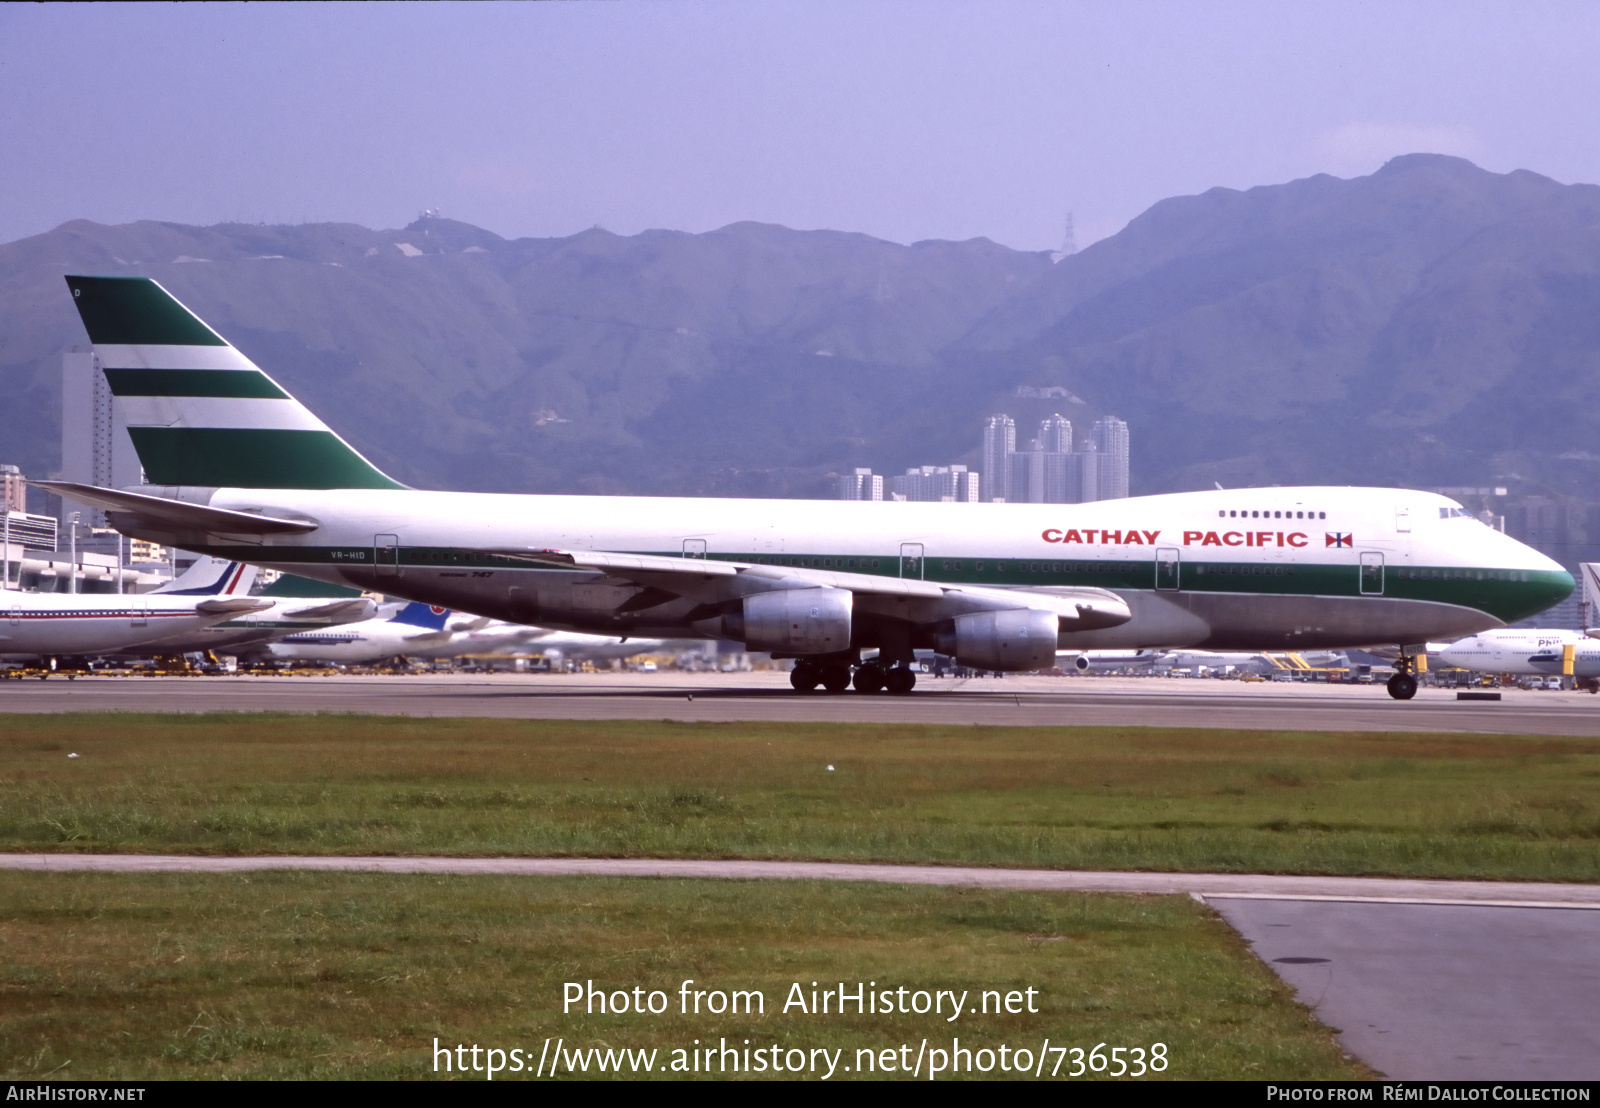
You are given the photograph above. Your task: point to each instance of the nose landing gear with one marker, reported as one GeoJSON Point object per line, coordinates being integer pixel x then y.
{"type": "Point", "coordinates": [1403, 685]}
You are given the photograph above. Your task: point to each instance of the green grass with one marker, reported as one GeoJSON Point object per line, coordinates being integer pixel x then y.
{"type": "Point", "coordinates": [1484, 806]}
{"type": "Point", "coordinates": [312, 975]}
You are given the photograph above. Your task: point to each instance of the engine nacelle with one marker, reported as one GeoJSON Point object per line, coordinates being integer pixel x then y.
{"type": "Point", "coordinates": [1014, 640]}
{"type": "Point", "coordinates": [794, 621]}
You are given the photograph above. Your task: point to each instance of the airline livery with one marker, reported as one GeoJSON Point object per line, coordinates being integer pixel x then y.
{"type": "Point", "coordinates": [56, 625]}
{"type": "Point", "coordinates": [240, 469]}
{"type": "Point", "coordinates": [1549, 652]}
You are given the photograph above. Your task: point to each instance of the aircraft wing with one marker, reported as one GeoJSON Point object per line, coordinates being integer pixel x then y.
{"type": "Point", "coordinates": [337, 611]}
{"type": "Point", "coordinates": [719, 585]}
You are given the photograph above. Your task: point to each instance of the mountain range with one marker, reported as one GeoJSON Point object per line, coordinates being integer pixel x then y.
{"type": "Point", "coordinates": [1430, 324]}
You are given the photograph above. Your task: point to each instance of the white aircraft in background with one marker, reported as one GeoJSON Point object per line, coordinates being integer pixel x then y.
{"type": "Point", "coordinates": [424, 632]}
{"type": "Point", "coordinates": [69, 625]}
{"type": "Point", "coordinates": [412, 630]}
{"type": "Point", "coordinates": [291, 605]}
{"type": "Point", "coordinates": [1546, 653]}
{"type": "Point", "coordinates": [1104, 661]}
{"type": "Point", "coordinates": [1265, 663]}
{"type": "Point", "coordinates": [236, 466]}
{"type": "Point", "coordinates": [1261, 662]}
{"type": "Point", "coordinates": [575, 646]}
{"type": "Point", "coordinates": [483, 636]}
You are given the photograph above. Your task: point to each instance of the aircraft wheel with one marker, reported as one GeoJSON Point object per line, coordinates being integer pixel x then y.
{"type": "Point", "coordinates": [804, 678]}
{"type": "Point", "coordinates": [900, 680]}
{"type": "Point", "coordinates": [1402, 686]}
{"type": "Point", "coordinates": [869, 679]}
{"type": "Point", "coordinates": [836, 677]}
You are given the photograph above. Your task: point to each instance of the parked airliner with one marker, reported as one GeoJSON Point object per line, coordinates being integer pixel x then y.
{"type": "Point", "coordinates": [239, 468]}
{"type": "Point", "coordinates": [66, 625]}
{"type": "Point", "coordinates": [1549, 653]}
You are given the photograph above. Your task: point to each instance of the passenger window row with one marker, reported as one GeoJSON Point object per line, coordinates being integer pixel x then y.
{"type": "Point", "coordinates": [1461, 574]}
{"type": "Point", "coordinates": [1272, 515]}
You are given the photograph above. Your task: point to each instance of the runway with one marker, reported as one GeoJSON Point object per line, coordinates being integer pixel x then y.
{"type": "Point", "coordinates": [766, 696]}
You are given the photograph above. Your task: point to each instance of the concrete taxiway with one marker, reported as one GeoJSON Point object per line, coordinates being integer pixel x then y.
{"type": "Point", "coordinates": [1436, 992]}
{"type": "Point", "coordinates": [692, 697]}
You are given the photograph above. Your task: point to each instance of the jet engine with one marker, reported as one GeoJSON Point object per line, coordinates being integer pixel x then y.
{"type": "Point", "coordinates": [794, 621]}
{"type": "Point", "coordinates": [1014, 640]}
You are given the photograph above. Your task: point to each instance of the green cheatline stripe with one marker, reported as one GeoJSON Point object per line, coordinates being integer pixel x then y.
{"type": "Point", "coordinates": [253, 458]}
{"type": "Point", "coordinates": [237, 384]}
{"type": "Point", "coordinates": [1505, 600]}
{"type": "Point", "coordinates": [135, 311]}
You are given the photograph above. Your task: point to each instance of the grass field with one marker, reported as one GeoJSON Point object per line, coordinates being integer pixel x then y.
{"type": "Point", "coordinates": [1485, 806]}
{"type": "Point", "coordinates": [306, 975]}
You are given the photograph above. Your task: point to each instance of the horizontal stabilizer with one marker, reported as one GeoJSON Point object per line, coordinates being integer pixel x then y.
{"type": "Point", "coordinates": [167, 514]}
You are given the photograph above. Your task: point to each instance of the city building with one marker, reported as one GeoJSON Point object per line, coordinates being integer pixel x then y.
{"type": "Point", "coordinates": [95, 447]}
{"type": "Point", "coordinates": [20, 530]}
{"type": "Point", "coordinates": [1052, 469]}
{"type": "Point", "coordinates": [999, 443]}
{"type": "Point", "coordinates": [955, 484]}
{"type": "Point", "coordinates": [860, 484]}
{"type": "Point", "coordinates": [1111, 438]}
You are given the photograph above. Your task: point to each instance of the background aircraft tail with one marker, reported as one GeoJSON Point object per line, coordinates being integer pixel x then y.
{"type": "Point", "coordinates": [1589, 574]}
{"type": "Point", "coordinates": [212, 577]}
{"type": "Point", "coordinates": [292, 587]}
{"type": "Point", "coordinates": [198, 411]}
{"type": "Point", "coordinates": [423, 615]}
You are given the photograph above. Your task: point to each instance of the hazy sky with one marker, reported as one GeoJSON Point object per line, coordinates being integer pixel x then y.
{"type": "Point", "coordinates": [903, 120]}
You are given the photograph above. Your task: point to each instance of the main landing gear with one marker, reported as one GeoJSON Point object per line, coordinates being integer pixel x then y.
{"type": "Point", "coordinates": [1403, 685]}
{"type": "Point", "coordinates": [836, 677]}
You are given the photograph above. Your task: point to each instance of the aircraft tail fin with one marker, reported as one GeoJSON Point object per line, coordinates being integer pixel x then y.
{"type": "Point", "coordinates": [427, 616]}
{"type": "Point", "coordinates": [211, 577]}
{"type": "Point", "coordinates": [198, 411]}
{"type": "Point", "coordinates": [293, 587]}
{"type": "Point", "coordinates": [1590, 573]}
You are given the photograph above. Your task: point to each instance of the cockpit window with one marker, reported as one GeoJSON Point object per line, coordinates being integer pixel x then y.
{"type": "Point", "coordinates": [1454, 513]}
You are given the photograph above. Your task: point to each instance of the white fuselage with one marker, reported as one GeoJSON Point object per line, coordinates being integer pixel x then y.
{"type": "Point", "coordinates": [1518, 651]}
{"type": "Point", "coordinates": [575, 646]}
{"type": "Point", "coordinates": [1282, 568]}
{"type": "Point", "coordinates": [64, 624]}
{"type": "Point", "coordinates": [370, 640]}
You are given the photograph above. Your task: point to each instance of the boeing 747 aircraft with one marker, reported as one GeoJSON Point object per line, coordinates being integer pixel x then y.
{"type": "Point", "coordinates": [238, 468]}
{"type": "Point", "coordinates": [1545, 653]}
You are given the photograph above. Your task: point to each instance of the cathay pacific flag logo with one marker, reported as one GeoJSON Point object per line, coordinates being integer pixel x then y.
{"type": "Point", "coordinates": [1339, 538]}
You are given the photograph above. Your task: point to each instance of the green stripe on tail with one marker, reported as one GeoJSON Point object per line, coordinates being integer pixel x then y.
{"type": "Point", "coordinates": [135, 311]}
{"type": "Point", "coordinates": [208, 416]}
{"type": "Point", "coordinates": [232, 384]}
